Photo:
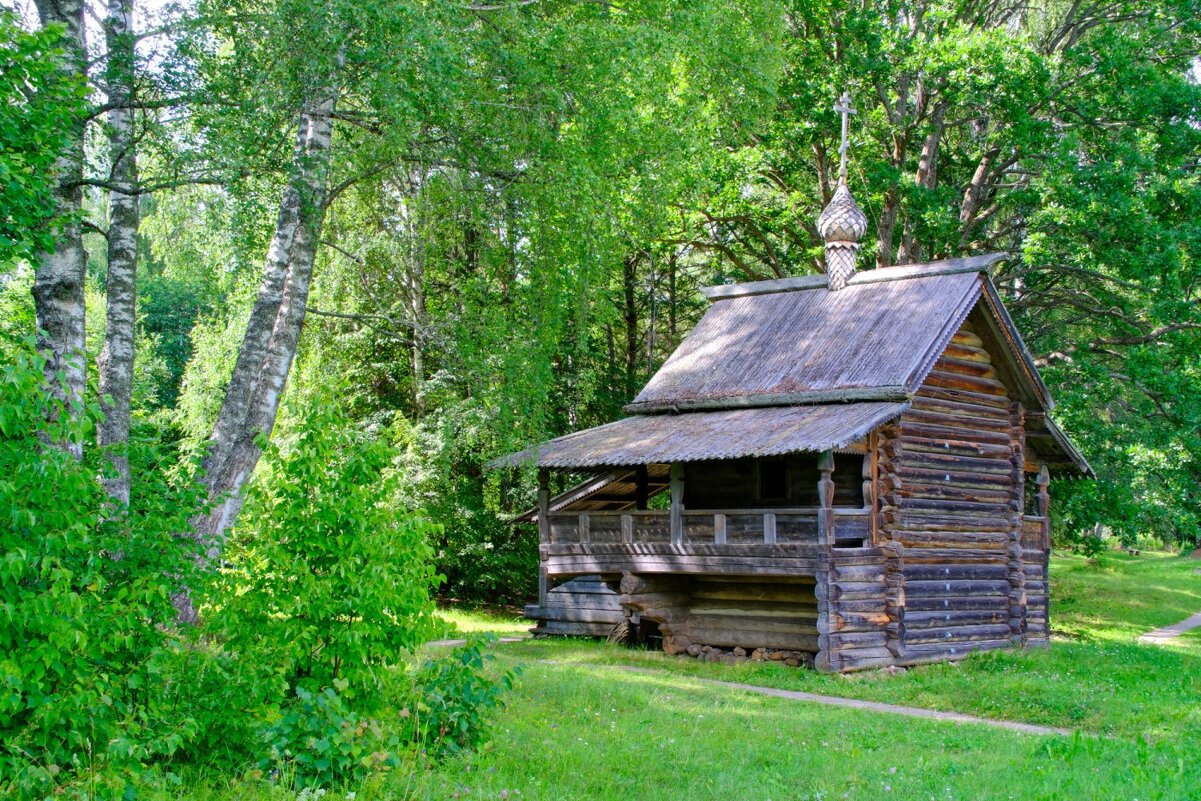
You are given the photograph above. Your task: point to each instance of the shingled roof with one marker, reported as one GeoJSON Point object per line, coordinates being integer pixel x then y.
{"type": "Point", "coordinates": [790, 342]}
{"type": "Point", "coordinates": [789, 366]}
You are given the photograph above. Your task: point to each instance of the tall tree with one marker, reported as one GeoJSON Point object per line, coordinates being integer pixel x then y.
{"type": "Point", "coordinates": [58, 289]}
{"type": "Point", "coordinates": [116, 359]}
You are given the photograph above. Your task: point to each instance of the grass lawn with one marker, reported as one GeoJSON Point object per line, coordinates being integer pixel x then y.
{"type": "Point", "coordinates": [576, 728]}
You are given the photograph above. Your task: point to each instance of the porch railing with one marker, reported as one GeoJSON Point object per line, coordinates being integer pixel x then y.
{"type": "Point", "coordinates": [706, 527]}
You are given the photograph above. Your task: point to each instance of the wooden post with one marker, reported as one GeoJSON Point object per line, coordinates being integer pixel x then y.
{"type": "Point", "coordinates": [677, 503]}
{"type": "Point", "coordinates": [543, 505]}
{"type": "Point", "coordinates": [769, 528]}
{"type": "Point", "coordinates": [870, 472]}
{"type": "Point", "coordinates": [1044, 504]}
{"type": "Point", "coordinates": [543, 532]}
{"type": "Point", "coordinates": [641, 493]}
{"type": "Point", "coordinates": [719, 528]}
{"type": "Point", "coordinates": [825, 497]}
{"type": "Point", "coordinates": [585, 532]}
{"type": "Point", "coordinates": [627, 529]}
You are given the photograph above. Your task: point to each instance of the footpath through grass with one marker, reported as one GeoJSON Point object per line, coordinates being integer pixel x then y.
{"type": "Point", "coordinates": [578, 730]}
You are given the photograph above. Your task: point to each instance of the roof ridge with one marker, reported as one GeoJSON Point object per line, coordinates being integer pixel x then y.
{"type": "Point", "coordinates": [967, 264]}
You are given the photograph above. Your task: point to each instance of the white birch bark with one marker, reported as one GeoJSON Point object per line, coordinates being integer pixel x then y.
{"type": "Point", "coordinates": [115, 363]}
{"type": "Point", "coordinates": [269, 344]}
{"type": "Point", "coordinates": [59, 276]}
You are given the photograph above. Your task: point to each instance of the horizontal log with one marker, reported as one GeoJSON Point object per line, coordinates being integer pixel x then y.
{"type": "Point", "coordinates": [937, 540]}
{"type": "Point", "coordinates": [966, 335]}
{"type": "Point", "coordinates": [941, 506]}
{"type": "Point", "coordinates": [915, 442]}
{"type": "Point", "coordinates": [997, 603]}
{"type": "Point", "coordinates": [942, 589]}
{"type": "Point", "coordinates": [610, 616]}
{"type": "Point", "coordinates": [960, 634]}
{"type": "Point", "coordinates": [841, 572]}
{"type": "Point", "coordinates": [860, 658]}
{"type": "Point", "coordinates": [729, 638]}
{"type": "Point", "coordinates": [778, 593]}
{"type": "Point", "coordinates": [954, 412]}
{"type": "Point", "coordinates": [879, 604]}
{"type": "Point", "coordinates": [559, 628]}
{"type": "Point", "coordinates": [796, 625]}
{"type": "Point", "coordinates": [945, 379]}
{"type": "Point", "coordinates": [989, 399]}
{"type": "Point", "coordinates": [754, 609]}
{"type": "Point", "coordinates": [852, 640]}
{"type": "Point", "coordinates": [946, 491]}
{"type": "Point", "coordinates": [993, 554]}
{"type": "Point", "coordinates": [852, 621]}
{"type": "Point", "coordinates": [853, 591]}
{"type": "Point", "coordinates": [939, 652]}
{"type": "Point", "coordinates": [955, 431]}
{"type": "Point", "coordinates": [956, 572]}
{"type": "Point", "coordinates": [958, 617]}
{"type": "Point", "coordinates": [968, 364]}
{"type": "Point", "coordinates": [858, 556]}
{"type": "Point", "coordinates": [923, 520]}
{"type": "Point", "coordinates": [967, 352]}
{"type": "Point", "coordinates": [949, 476]}
{"type": "Point", "coordinates": [931, 457]}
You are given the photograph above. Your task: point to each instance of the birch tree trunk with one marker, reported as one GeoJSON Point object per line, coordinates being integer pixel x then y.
{"type": "Point", "coordinates": [115, 364]}
{"type": "Point", "coordinates": [59, 276]}
{"type": "Point", "coordinates": [273, 330]}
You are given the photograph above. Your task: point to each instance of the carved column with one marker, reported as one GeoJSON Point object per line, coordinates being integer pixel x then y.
{"type": "Point", "coordinates": [543, 532]}
{"type": "Point", "coordinates": [826, 587]}
{"type": "Point", "coordinates": [677, 503]}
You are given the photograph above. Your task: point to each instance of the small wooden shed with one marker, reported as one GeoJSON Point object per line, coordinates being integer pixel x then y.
{"type": "Point", "coordinates": [857, 466]}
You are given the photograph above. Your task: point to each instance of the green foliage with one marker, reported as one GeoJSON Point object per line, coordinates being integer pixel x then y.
{"type": "Point", "coordinates": [42, 105]}
{"type": "Point", "coordinates": [329, 578]}
{"type": "Point", "coordinates": [454, 698]}
{"type": "Point", "coordinates": [319, 741]}
{"type": "Point", "coordinates": [1091, 546]}
{"type": "Point", "coordinates": [85, 599]}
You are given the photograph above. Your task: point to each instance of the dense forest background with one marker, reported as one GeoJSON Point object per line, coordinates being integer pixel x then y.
{"type": "Point", "coordinates": [518, 201]}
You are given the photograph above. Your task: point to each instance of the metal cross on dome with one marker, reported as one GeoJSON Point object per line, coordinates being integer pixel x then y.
{"type": "Point", "coordinates": [843, 107]}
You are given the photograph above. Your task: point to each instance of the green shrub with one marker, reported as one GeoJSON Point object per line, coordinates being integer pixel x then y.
{"type": "Point", "coordinates": [319, 741]}
{"type": "Point", "coordinates": [1090, 545]}
{"type": "Point", "coordinates": [85, 599]}
{"type": "Point", "coordinates": [453, 698]}
{"type": "Point", "coordinates": [329, 580]}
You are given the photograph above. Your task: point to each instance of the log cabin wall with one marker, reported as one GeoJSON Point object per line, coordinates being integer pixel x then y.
{"type": "Point", "coordinates": [951, 486]}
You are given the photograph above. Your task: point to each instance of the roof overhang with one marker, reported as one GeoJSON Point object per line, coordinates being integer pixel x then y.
{"type": "Point", "coordinates": [701, 436]}
{"type": "Point", "coordinates": [1053, 448]}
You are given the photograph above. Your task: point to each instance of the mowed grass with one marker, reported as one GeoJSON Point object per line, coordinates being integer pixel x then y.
{"type": "Point", "coordinates": [577, 726]}
{"type": "Point", "coordinates": [1095, 677]}
{"type": "Point", "coordinates": [586, 733]}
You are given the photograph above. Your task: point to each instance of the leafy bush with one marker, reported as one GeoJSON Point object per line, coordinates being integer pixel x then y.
{"type": "Point", "coordinates": [453, 698]}
{"type": "Point", "coordinates": [320, 741]}
{"type": "Point", "coordinates": [1090, 545]}
{"type": "Point", "coordinates": [85, 598]}
{"type": "Point", "coordinates": [330, 579]}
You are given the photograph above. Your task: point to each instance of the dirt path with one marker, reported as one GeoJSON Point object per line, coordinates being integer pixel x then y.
{"type": "Point", "coordinates": [1169, 633]}
{"type": "Point", "coordinates": [457, 643]}
{"type": "Point", "coordinates": [852, 703]}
